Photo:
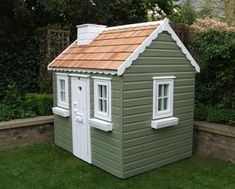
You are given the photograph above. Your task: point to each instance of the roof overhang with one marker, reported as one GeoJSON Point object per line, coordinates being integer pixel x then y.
{"type": "Point", "coordinates": [164, 26]}
{"type": "Point", "coordinates": [76, 70]}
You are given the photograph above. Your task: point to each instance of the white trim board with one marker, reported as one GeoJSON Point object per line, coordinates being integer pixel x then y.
{"type": "Point", "coordinates": [134, 25]}
{"type": "Point", "coordinates": [77, 70]}
{"type": "Point", "coordinates": [164, 26]}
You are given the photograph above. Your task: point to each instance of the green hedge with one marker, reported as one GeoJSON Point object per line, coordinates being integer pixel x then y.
{"type": "Point", "coordinates": [25, 106]}
{"type": "Point", "coordinates": [215, 52]}
{"type": "Point", "coordinates": [215, 114]}
{"type": "Point", "coordinates": [41, 104]}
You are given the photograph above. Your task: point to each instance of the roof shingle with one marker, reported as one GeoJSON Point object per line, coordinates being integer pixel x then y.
{"type": "Point", "coordinates": [107, 51]}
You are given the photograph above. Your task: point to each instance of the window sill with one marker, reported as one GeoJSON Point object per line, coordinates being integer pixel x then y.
{"type": "Point", "coordinates": [102, 125]}
{"type": "Point", "coordinates": [61, 111]}
{"type": "Point", "coordinates": [166, 122]}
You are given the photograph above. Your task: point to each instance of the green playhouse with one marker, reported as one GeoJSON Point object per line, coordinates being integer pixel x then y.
{"type": "Point", "coordinates": [124, 97]}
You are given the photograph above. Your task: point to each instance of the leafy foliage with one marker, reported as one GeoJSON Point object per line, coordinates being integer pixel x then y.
{"type": "Point", "coordinates": [184, 14]}
{"type": "Point", "coordinates": [215, 51]}
{"type": "Point", "coordinates": [41, 104]}
{"type": "Point", "coordinates": [17, 105]}
{"type": "Point", "coordinates": [24, 25]}
{"type": "Point", "coordinates": [214, 114]}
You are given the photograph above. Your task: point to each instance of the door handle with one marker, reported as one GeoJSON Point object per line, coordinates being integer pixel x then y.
{"type": "Point", "coordinates": [75, 107]}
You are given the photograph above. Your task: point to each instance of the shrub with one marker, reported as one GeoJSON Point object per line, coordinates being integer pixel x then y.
{"type": "Point", "coordinates": [215, 52]}
{"type": "Point", "coordinates": [13, 106]}
{"type": "Point", "coordinates": [215, 114]}
{"type": "Point", "coordinates": [184, 14]}
{"type": "Point", "coordinates": [200, 112]}
{"type": "Point", "coordinates": [17, 105]}
{"type": "Point", "coordinates": [5, 112]}
{"type": "Point", "coordinates": [41, 104]}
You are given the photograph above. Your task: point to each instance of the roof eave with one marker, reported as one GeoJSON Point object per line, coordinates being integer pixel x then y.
{"type": "Point", "coordinates": [78, 70]}
{"type": "Point", "coordinates": [164, 26]}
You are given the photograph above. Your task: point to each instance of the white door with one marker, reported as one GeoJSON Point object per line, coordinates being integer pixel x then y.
{"type": "Point", "coordinates": [80, 115]}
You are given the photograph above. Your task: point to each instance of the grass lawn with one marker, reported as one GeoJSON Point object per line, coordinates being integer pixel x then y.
{"type": "Point", "coordinates": [47, 166]}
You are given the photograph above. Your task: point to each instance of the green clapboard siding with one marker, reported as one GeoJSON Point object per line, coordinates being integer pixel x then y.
{"type": "Point", "coordinates": [62, 126]}
{"type": "Point", "coordinates": [145, 148]}
{"type": "Point", "coordinates": [106, 147]}
{"type": "Point", "coordinates": [133, 147]}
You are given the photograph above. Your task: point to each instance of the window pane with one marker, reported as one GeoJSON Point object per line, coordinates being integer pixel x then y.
{"type": "Point", "coordinates": [62, 84]}
{"type": "Point", "coordinates": [165, 103]}
{"type": "Point", "coordinates": [104, 91]}
{"type": "Point", "coordinates": [159, 90]}
{"type": "Point", "coordinates": [159, 104]}
{"type": "Point", "coordinates": [105, 105]}
{"type": "Point", "coordinates": [62, 96]}
{"type": "Point", "coordinates": [166, 86]}
{"type": "Point", "coordinates": [102, 99]}
{"type": "Point", "coordinates": [99, 90]}
{"type": "Point", "coordinates": [100, 105]}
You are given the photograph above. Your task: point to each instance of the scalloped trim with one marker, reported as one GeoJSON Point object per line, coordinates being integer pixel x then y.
{"type": "Point", "coordinates": [165, 26]}
{"type": "Point", "coordinates": [75, 70]}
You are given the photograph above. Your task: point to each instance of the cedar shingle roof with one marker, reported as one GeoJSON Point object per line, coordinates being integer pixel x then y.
{"type": "Point", "coordinates": [107, 51]}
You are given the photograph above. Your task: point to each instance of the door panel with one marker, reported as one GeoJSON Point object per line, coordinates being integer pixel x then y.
{"type": "Point", "coordinates": [80, 117]}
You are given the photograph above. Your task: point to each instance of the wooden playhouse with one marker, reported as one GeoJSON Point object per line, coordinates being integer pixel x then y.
{"type": "Point", "coordinates": [124, 97]}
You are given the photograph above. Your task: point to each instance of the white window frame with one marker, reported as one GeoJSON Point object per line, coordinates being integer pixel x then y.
{"type": "Point", "coordinates": [60, 103]}
{"type": "Point", "coordinates": [169, 80]}
{"type": "Point", "coordinates": [98, 114]}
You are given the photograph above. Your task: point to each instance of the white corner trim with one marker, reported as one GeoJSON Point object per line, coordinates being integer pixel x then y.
{"type": "Point", "coordinates": [164, 26]}
{"type": "Point", "coordinates": [79, 75]}
{"type": "Point", "coordinates": [61, 111]}
{"type": "Point", "coordinates": [101, 78]}
{"type": "Point", "coordinates": [102, 125]}
{"type": "Point", "coordinates": [164, 77]}
{"type": "Point", "coordinates": [162, 123]}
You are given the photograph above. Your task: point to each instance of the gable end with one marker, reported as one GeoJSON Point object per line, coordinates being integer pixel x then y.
{"type": "Point", "coordinates": [165, 26]}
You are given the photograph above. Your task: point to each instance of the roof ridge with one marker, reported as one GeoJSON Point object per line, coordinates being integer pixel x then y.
{"type": "Point", "coordinates": [134, 25]}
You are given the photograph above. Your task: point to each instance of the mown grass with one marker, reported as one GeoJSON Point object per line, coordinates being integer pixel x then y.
{"type": "Point", "coordinates": [46, 166]}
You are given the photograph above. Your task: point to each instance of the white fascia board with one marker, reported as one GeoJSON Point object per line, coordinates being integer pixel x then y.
{"type": "Point", "coordinates": [169, 29]}
{"type": "Point", "coordinates": [79, 75]}
{"type": "Point", "coordinates": [134, 25]}
{"type": "Point", "coordinates": [164, 77]}
{"type": "Point", "coordinates": [75, 70]}
{"type": "Point", "coordinates": [164, 26]}
{"type": "Point", "coordinates": [101, 78]}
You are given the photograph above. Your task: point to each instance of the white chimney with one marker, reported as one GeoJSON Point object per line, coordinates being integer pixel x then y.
{"type": "Point", "coordinates": [87, 32]}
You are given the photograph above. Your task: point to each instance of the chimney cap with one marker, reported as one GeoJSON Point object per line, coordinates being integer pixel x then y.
{"type": "Point", "coordinates": [92, 25]}
{"type": "Point", "coordinates": [86, 33]}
